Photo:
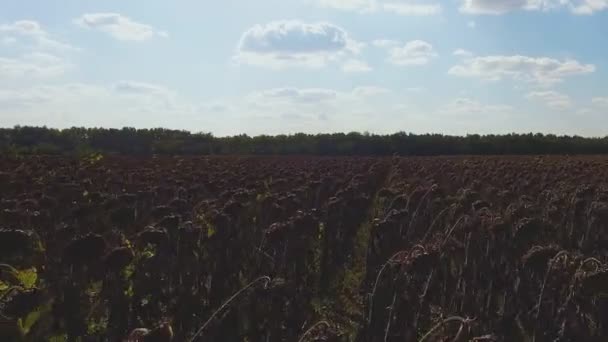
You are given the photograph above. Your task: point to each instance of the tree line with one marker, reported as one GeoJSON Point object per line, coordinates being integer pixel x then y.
{"type": "Point", "coordinates": [131, 141]}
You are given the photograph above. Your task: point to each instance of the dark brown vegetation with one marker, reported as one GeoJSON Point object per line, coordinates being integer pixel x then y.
{"type": "Point", "coordinates": [304, 249]}
{"type": "Point", "coordinates": [140, 142]}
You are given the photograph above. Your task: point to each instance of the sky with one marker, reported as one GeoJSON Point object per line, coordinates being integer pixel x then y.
{"type": "Point", "coordinates": [285, 66]}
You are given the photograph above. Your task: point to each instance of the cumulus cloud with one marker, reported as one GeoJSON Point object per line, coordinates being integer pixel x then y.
{"type": "Point", "coordinates": [401, 7]}
{"type": "Point", "coordinates": [551, 99]}
{"type": "Point", "coordinates": [281, 44]}
{"type": "Point", "coordinates": [355, 66]}
{"type": "Point", "coordinates": [294, 37]}
{"type": "Point", "coordinates": [31, 32]}
{"type": "Point", "coordinates": [32, 65]}
{"type": "Point", "coordinates": [540, 70]}
{"type": "Point", "coordinates": [119, 26]}
{"type": "Point", "coordinates": [581, 7]}
{"type": "Point", "coordinates": [416, 52]}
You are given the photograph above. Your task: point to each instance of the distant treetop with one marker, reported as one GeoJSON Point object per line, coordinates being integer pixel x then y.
{"type": "Point", "coordinates": [131, 141]}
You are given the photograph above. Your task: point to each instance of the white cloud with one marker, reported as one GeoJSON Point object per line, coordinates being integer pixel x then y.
{"type": "Point", "coordinates": [140, 104]}
{"type": "Point", "coordinates": [282, 44]}
{"type": "Point", "coordinates": [369, 91]}
{"type": "Point", "coordinates": [415, 89]}
{"type": "Point", "coordinates": [126, 103]}
{"type": "Point", "coordinates": [294, 37]}
{"type": "Point", "coordinates": [31, 32]}
{"type": "Point", "coordinates": [23, 27]}
{"type": "Point", "coordinates": [587, 7]}
{"type": "Point", "coordinates": [10, 99]}
{"type": "Point", "coordinates": [48, 94]}
{"type": "Point", "coordinates": [400, 7]}
{"type": "Point", "coordinates": [540, 70]}
{"type": "Point", "coordinates": [472, 24]}
{"type": "Point", "coordinates": [32, 54]}
{"type": "Point", "coordinates": [416, 52]}
{"type": "Point", "coordinates": [293, 95]}
{"type": "Point", "coordinates": [32, 65]}
{"type": "Point", "coordinates": [412, 8]}
{"type": "Point", "coordinates": [350, 5]}
{"type": "Point", "coordinates": [154, 97]}
{"type": "Point", "coordinates": [581, 7]}
{"type": "Point", "coordinates": [584, 111]}
{"type": "Point", "coordinates": [282, 110]}
{"type": "Point", "coordinates": [385, 43]}
{"type": "Point", "coordinates": [9, 40]}
{"type": "Point", "coordinates": [492, 6]}
{"type": "Point", "coordinates": [600, 101]}
{"type": "Point", "coordinates": [551, 99]}
{"type": "Point", "coordinates": [462, 53]}
{"type": "Point", "coordinates": [308, 97]}
{"type": "Point", "coordinates": [215, 107]}
{"type": "Point", "coordinates": [597, 109]}
{"type": "Point", "coordinates": [356, 66]}
{"type": "Point", "coordinates": [140, 88]}
{"type": "Point", "coordinates": [467, 107]}
{"type": "Point", "coordinates": [118, 26]}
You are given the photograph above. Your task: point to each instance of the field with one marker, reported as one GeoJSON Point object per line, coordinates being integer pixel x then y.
{"type": "Point", "coordinates": [304, 249]}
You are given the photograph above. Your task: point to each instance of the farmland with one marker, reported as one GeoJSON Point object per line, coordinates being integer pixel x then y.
{"type": "Point", "coordinates": [304, 248]}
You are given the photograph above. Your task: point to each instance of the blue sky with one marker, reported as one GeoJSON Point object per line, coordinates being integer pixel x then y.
{"type": "Point", "coordinates": [270, 66]}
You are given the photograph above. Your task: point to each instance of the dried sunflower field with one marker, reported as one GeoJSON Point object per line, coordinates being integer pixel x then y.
{"type": "Point", "coordinates": [110, 248]}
